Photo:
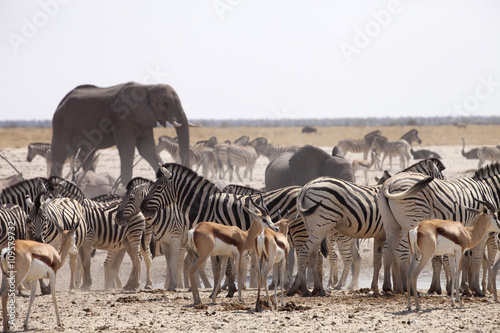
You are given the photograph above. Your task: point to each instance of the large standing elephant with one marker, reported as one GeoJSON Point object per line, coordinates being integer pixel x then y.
{"type": "Point", "coordinates": [306, 164]}
{"type": "Point", "coordinates": [90, 118]}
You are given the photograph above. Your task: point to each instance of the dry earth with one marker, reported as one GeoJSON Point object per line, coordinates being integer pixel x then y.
{"type": "Point", "coordinates": [160, 311]}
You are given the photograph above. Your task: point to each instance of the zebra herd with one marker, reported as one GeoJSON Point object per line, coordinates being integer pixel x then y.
{"type": "Point", "coordinates": [162, 211]}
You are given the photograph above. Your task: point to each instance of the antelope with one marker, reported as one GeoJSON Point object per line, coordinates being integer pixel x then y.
{"type": "Point", "coordinates": [272, 249]}
{"type": "Point", "coordinates": [438, 237]}
{"type": "Point", "coordinates": [365, 165]}
{"type": "Point", "coordinates": [212, 239]}
{"type": "Point", "coordinates": [34, 261]}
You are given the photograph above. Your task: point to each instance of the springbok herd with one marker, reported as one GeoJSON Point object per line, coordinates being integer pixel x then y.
{"type": "Point", "coordinates": [413, 213]}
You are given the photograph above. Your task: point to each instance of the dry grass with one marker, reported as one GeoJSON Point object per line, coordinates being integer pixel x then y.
{"type": "Point", "coordinates": [327, 136]}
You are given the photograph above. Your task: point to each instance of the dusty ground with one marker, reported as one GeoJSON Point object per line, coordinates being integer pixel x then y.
{"type": "Point", "coordinates": [160, 311]}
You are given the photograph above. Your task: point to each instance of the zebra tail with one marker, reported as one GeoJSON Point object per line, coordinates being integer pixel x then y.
{"type": "Point", "coordinates": [412, 242]}
{"type": "Point", "coordinates": [419, 186]}
{"type": "Point", "coordinates": [310, 210]}
{"type": "Point", "coordinates": [324, 248]}
{"type": "Point", "coordinates": [155, 251]}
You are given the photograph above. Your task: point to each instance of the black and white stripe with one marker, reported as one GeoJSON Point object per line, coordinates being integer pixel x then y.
{"type": "Point", "coordinates": [12, 223]}
{"type": "Point", "coordinates": [359, 146]}
{"type": "Point", "coordinates": [333, 205]}
{"type": "Point", "coordinates": [200, 200]}
{"type": "Point", "coordinates": [45, 213]}
{"type": "Point", "coordinates": [37, 149]}
{"type": "Point", "coordinates": [241, 156]}
{"type": "Point", "coordinates": [410, 198]}
{"type": "Point", "coordinates": [17, 194]}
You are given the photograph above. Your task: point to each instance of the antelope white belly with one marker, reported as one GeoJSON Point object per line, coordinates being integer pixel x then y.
{"type": "Point", "coordinates": [38, 270]}
{"type": "Point", "coordinates": [445, 246]}
{"type": "Point", "coordinates": [280, 255]}
{"type": "Point", "coordinates": [224, 249]}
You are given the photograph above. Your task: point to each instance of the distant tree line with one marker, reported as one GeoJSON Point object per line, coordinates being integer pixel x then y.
{"type": "Point", "coordinates": [319, 122]}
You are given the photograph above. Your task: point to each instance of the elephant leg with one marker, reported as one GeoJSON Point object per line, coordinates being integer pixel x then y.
{"type": "Point", "coordinates": [126, 148]}
{"type": "Point", "coordinates": [147, 149]}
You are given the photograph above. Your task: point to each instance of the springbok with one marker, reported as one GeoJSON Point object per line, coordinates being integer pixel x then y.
{"type": "Point", "coordinates": [212, 239]}
{"type": "Point", "coordinates": [438, 237]}
{"type": "Point", "coordinates": [272, 249]}
{"type": "Point", "coordinates": [34, 261]}
{"type": "Point", "coordinates": [365, 165]}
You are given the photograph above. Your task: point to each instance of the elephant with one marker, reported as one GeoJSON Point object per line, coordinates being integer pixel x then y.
{"type": "Point", "coordinates": [90, 118]}
{"type": "Point", "coordinates": [306, 164]}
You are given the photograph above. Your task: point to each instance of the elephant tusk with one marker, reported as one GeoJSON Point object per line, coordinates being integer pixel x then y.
{"type": "Point", "coordinates": [195, 125]}
{"type": "Point", "coordinates": [176, 124]}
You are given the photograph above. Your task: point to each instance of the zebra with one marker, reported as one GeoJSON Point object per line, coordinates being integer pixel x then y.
{"type": "Point", "coordinates": [198, 199]}
{"type": "Point", "coordinates": [399, 147]}
{"type": "Point", "coordinates": [171, 145]}
{"type": "Point", "coordinates": [333, 205]}
{"type": "Point", "coordinates": [409, 198]}
{"type": "Point", "coordinates": [169, 228]}
{"type": "Point", "coordinates": [271, 152]}
{"type": "Point", "coordinates": [12, 223]}
{"type": "Point", "coordinates": [45, 213]}
{"type": "Point", "coordinates": [104, 233]}
{"type": "Point", "coordinates": [38, 148]}
{"type": "Point", "coordinates": [241, 156]}
{"type": "Point", "coordinates": [359, 146]}
{"type": "Point", "coordinates": [17, 193]}
{"type": "Point", "coordinates": [488, 154]}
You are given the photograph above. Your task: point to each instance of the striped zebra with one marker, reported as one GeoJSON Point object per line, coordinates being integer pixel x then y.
{"type": "Point", "coordinates": [488, 154]}
{"type": "Point", "coordinates": [106, 233]}
{"type": "Point", "coordinates": [17, 193]}
{"type": "Point", "coordinates": [12, 223]}
{"type": "Point", "coordinates": [45, 213]}
{"type": "Point", "coordinates": [168, 225]}
{"type": "Point", "coordinates": [333, 205]}
{"type": "Point", "coordinates": [198, 199]}
{"type": "Point", "coordinates": [409, 198]}
{"type": "Point", "coordinates": [399, 147]}
{"type": "Point", "coordinates": [38, 149]}
{"type": "Point", "coordinates": [172, 147]}
{"type": "Point", "coordinates": [271, 151]}
{"type": "Point", "coordinates": [241, 156]}
{"type": "Point", "coordinates": [359, 146]}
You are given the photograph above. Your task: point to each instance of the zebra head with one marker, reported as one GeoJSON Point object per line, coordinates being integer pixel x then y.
{"type": "Point", "coordinates": [160, 193]}
{"type": "Point", "coordinates": [130, 204]}
{"type": "Point", "coordinates": [37, 219]}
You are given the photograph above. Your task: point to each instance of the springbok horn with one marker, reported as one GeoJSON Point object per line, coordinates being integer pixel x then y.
{"type": "Point", "coordinates": [263, 205]}
{"type": "Point", "coordinates": [487, 204]}
{"type": "Point", "coordinates": [261, 210]}
{"type": "Point", "coordinates": [165, 171]}
{"type": "Point", "coordinates": [279, 214]}
{"type": "Point", "coordinates": [29, 202]}
{"type": "Point", "coordinates": [287, 214]}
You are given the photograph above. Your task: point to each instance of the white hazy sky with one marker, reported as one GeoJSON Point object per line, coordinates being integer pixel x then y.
{"type": "Point", "coordinates": [259, 58]}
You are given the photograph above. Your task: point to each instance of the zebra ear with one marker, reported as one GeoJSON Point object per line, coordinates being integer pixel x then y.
{"type": "Point", "coordinates": [165, 172]}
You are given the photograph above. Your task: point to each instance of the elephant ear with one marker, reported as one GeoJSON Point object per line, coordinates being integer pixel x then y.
{"type": "Point", "coordinates": [132, 103]}
{"type": "Point", "coordinates": [306, 164]}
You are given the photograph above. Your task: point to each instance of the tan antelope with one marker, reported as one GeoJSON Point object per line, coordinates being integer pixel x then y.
{"type": "Point", "coordinates": [34, 261]}
{"type": "Point", "coordinates": [212, 239]}
{"type": "Point", "coordinates": [365, 165]}
{"type": "Point", "coordinates": [272, 249]}
{"type": "Point", "coordinates": [438, 237]}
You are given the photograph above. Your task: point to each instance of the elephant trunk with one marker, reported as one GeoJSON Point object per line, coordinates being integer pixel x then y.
{"type": "Point", "coordinates": [183, 136]}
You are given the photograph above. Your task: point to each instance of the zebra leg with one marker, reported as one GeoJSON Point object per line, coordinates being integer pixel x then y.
{"type": "Point", "coordinates": [492, 251]}
{"type": "Point", "coordinates": [180, 265]}
{"type": "Point", "coordinates": [72, 266]}
{"type": "Point", "coordinates": [305, 252]}
{"type": "Point", "coordinates": [116, 282]}
{"type": "Point", "coordinates": [146, 254]}
{"type": "Point", "coordinates": [136, 257]}
{"type": "Point", "coordinates": [45, 289]}
{"type": "Point", "coordinates": [477, 256]}
{"type": "Point", "coordinates": [493, 279]}
{"type": "Point", "coordinates": [172, 263]}
{"type": "Point", "coordinates": [110, 258]}
{"type": "Point", "coordinates": [85, 256]}
{"type": "Point", "coordinates": [253, 270]}
{"type": "Point", "coordinates": [356, 266]}
{"type": "Point", "coordinates": [219, 278]}
{"type": "Point", "coordinates": [466, 266]}
{"type": "Point", "coordinates": [347, 258]}
{"type": "Point", "coordinates": [436, 275]}
{"type": "Point", "coordinates": [378, 247]}
{"type": "Point", "coordinates": [332, 256]}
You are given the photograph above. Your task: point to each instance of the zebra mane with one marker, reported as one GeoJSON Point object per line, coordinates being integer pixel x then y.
{"type": "Point", "coordinates": [137, 181]}
{"type": "Point", "coordinates": [488, 171]}
{"type": "Point", "coordinates": [177, 169]}
{"type": "Point", "coordinates": [26, 185]}
{"type": "Point", "coordinates": [437, 163]}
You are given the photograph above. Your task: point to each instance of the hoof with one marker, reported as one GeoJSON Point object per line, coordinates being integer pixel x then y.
{"type": "Point", "coordinates": [318, 292]}
{"type": "Point", "coordinates": [306, 293]}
